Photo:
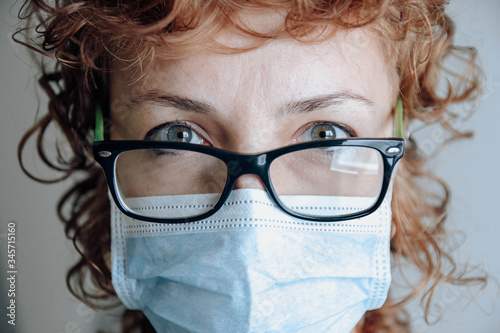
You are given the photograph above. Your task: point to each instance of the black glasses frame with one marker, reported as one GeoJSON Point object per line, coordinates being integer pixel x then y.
{"type": "Point", "coordinates": [106, 152]}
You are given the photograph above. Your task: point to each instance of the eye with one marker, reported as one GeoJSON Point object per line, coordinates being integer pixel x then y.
{"type": "Point", "coordinates": [325, 131]}
{"type": "Point", "coordinates": [176, 132]}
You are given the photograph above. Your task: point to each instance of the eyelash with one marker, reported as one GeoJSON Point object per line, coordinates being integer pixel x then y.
{"type": "Point", "coordinates": [300, 132]}
{"type": "Point", "coordinates": [155, 130]}
{"type": "Point", "coordinates": [348, 130]}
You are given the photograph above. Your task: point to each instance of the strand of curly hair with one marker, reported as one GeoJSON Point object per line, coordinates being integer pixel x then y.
{"type": "Point", "coordinates": [86, 37]}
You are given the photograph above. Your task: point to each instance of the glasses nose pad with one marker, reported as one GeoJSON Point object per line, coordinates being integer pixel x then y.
{"type": "Point", "coordinates": [249, 181]}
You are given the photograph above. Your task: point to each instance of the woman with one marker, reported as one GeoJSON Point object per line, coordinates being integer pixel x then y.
{"type": "Point", "coordinates": [184, 78]}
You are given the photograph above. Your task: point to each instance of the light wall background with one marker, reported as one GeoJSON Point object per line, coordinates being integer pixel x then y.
{"type": "Point", "coordinates": [470, 167]}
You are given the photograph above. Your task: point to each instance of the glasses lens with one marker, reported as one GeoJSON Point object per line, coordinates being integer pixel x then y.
{"type": "Point", "coordinates": [343, 179]}
{"type": "Point", "coordinates": [156, 182]}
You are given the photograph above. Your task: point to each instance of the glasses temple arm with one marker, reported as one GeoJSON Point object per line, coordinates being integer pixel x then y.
{"type": "Point", "coordinates": [99, 125]}
{"type": "Point", "coordinates": [398, 120]}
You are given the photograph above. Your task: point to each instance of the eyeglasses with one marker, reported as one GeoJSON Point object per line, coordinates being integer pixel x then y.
{"type": "Point", "coordinates": [348, 178]}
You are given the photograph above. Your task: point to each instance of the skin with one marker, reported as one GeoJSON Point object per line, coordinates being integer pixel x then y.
{"type": "Point", "coordinates": [260, 99]}
{"type": "Point", "coordinates": [264, 98]}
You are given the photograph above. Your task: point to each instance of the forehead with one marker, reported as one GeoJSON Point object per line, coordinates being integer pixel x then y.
{"type": "Point", "coordinates": [350, 60]}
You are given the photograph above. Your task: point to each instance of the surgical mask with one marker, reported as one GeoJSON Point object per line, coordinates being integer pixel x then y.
{"type": "Point", "coordinates": [252, 268]}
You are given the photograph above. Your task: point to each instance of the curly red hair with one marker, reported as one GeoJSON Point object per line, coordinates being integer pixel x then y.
{"type": "Point", "coordinates": [87, 37]}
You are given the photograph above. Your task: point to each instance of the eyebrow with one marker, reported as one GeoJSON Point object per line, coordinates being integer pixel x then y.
{"type": "Point", "coordinates": [321, 102]}
{"type": "Point", "coordinates": [180, 102]}
{"type": "Point", "coordinates": [295, 107]}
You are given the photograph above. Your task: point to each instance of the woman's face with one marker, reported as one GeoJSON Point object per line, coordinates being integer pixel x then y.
{"type": "Point", "coordinates": [282, 93]}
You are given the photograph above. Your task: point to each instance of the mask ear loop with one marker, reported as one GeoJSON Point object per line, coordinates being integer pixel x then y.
{"type": "Point", "coordinates": [99, 125]}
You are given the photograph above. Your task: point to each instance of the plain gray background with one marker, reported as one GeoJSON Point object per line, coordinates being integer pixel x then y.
{"type": "Point", "coordinates": [43, 255]}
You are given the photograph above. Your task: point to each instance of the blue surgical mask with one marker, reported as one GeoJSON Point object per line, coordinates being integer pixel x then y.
{"type": "Point", "coordinates": [252, 268]}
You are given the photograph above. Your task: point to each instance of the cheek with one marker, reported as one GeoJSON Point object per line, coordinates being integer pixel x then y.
{"type": "Point", "coordinates": [141, 173]}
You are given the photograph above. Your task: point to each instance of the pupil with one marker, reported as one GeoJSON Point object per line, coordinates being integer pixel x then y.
{"type": "Point", "coordinates": [179, 133]}
{"type": "Point", "coordinates": [323, 132]}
